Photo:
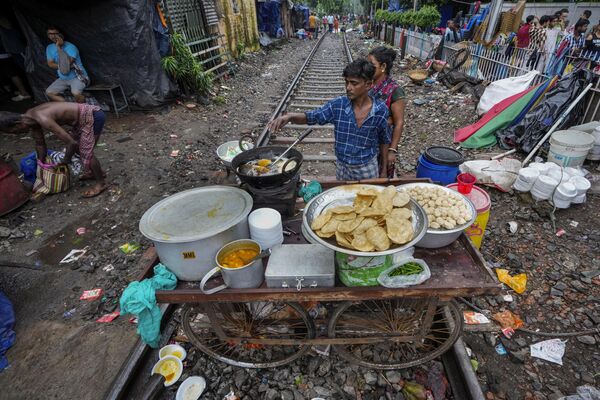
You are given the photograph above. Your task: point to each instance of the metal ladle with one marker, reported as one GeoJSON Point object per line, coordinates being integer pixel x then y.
{"type": "Point", "coordinates": [300, 138]}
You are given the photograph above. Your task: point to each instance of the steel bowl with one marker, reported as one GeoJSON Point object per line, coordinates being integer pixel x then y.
{"type": "Point", "coordinates": [344, 195]}
{"type": "Point", "coordinates": [436, 238]}
{"type": "Point", "coordinates": [222, 150]}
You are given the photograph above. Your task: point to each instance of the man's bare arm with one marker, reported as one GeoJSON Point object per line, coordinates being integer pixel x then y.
{"type": "Point", "coordinates": [52, 64]}
{"type": "Point", "coordinates": [51, 125]}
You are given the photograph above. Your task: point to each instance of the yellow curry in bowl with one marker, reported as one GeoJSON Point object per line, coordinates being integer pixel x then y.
{"type": "Point", "coordinates": [238, 258]}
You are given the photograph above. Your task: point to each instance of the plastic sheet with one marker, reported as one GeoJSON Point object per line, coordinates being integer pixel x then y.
{"type": "Point", "coordinates": [7, 323]}
{"type": "Point", "coordinates": [528, 132]}
{"type": "Point", "coordinates": [115, 39]}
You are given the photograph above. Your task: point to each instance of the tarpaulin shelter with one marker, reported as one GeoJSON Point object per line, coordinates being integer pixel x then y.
{"type": "Point", "coordinates": [269, 18]}
{"type": "Point", "coordinates": [300, 16]}
{"type": "Point", "coordinates": [115, 39]}
{"type": "Point", "coordinates": [528, 132]}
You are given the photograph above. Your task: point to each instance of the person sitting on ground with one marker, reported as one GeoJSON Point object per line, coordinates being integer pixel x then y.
{"type": "Point", "coordinates": [360, 125]}
{"type": "Point", "coordinates": [452, 34]}
{"type": "Point", "coordinates": [386, 89]}
{"type": "Point", "coordinates": [87, 122]}
{"type": "Point", "coordinates": [64, 57]}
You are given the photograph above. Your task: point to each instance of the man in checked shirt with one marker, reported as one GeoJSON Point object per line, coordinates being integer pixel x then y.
{"type": "Point", "coordinates": [360, 125]}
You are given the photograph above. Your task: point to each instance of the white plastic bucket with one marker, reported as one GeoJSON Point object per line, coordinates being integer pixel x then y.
{"type": "Point", "coordinates": [570, 148]}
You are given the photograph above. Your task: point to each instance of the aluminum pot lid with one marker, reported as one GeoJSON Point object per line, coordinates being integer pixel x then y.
{"type": "Point", "coordinates": [195, 214]}
{"type": "Point", "coordinates": [443, 155]}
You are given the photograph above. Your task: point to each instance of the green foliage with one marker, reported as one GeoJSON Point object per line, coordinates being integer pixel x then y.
{"type": "Point", "coordinates": [334, 6]}
{"type": "Point", "coordinates": [183, 67]}
{"type": "Point", "coordinates": [241, 51]}
{"type": "Point", "coordinates": [426, 17]}
{"type": "Point", "coordinates": [219, 100]}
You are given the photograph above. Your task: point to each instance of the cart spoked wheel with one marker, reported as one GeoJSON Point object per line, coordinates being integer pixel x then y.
{"type": "Point", "coordinates": [249, 335]}
{"type": "Point", "coordinates": [400, 333]}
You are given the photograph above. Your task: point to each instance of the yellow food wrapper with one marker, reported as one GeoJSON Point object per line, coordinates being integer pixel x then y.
{"type": "Point", "coordinates": [517, 283]}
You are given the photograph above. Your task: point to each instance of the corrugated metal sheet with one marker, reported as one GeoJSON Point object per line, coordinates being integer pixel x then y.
{"type": "Point", "coordinates": [210, 12]}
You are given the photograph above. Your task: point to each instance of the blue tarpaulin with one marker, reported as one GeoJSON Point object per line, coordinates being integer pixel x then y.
{"type": "Point", "coordinates": [7, 324]}
{"type": "Point", "coordinates": [269, 20]}
{"type": "Point", "coordinates": [394, 5]}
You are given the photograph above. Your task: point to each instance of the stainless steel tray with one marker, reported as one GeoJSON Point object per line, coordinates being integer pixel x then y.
{"type": "Point", "coordinates": [344, 195]}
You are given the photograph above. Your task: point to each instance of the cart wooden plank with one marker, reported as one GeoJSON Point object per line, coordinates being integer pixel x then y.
{"type": "Point", "coordinates": [456, 270]}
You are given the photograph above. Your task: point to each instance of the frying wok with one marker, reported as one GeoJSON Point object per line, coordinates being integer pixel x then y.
{"type": "Point", "coordinates": [267, 152]}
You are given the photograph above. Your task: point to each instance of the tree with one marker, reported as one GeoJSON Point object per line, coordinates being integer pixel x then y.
{"type": "Point", "coordinates": [335, 6]}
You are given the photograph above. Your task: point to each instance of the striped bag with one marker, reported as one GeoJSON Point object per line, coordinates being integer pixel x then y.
{"type": "Point", "coordinates": [51, 178]}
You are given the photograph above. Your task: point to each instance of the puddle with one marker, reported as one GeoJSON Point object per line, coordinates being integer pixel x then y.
{"type": "Point", "coordinates": [57, 246]}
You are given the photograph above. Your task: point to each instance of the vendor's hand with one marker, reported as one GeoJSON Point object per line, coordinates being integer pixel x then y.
{"type": "Point", "coordinates": [391, 163]}
{"type": "Point", "coordinates": [59, 41]}
{"type": "Point", "coordinates": [278, 123]}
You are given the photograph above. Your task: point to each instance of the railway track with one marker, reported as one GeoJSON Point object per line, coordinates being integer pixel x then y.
{"type": "Point", "coordinates": [317, 81]}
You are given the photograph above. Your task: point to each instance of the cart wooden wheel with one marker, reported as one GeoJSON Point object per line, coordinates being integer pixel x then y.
{"type": "Point", "coordinates": [412, 331]}
{"type": "Point", "coordinates": [249, 335]}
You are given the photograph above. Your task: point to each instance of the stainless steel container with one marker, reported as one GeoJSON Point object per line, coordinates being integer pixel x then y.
{"type": "Point", "coordinates": [246, 277]}
{"type": "Point", "coordinates": [344, 195]}
{"type": "Point", "coordinates": [189, 227]}
{"type": "Point", "coordinates": [436, 238]}
{"type": "Point", "coordinates": [300, 266]}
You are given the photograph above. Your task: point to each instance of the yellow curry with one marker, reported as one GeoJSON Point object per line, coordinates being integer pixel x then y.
{"type": "Point", "coordinates": [238, 258]}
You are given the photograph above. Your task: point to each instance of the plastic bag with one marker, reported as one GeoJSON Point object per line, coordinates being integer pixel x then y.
{"type": "Point", "coordinates": [400, 281]}
{"type": "Point", "coordinates": [508, 320]}
{"type": "Point", "coordinates": [551, 350]}
{"type": "Point", "coordinates": [361, 271]}
{"type": "Point", "coordinates": [500, 174]}
{"type": "Point", "coordinates": [518, 283]}
{"type": "Point", "coordinates": [7, 323]}
{"type": "Point", "coordinates": [502, 89]}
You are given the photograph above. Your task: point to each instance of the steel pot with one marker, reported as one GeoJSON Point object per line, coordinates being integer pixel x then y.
{"type": "Point", "coordinates": [189, 228]}
{"type": "Point", "coordinates": [267, 152]}
{"type": "Point", "coordinates": [246, 277]}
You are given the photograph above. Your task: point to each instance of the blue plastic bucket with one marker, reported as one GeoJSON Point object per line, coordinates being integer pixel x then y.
{"type": "Point", "coordinates": [445, 174]}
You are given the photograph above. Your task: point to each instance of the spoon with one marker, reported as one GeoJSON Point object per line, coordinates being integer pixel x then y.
{"type": "Point", "coordinates": [262, 254]}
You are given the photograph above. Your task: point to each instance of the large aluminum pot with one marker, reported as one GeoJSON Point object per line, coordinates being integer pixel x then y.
{"type": "Point", "coordinates": [189, 228]}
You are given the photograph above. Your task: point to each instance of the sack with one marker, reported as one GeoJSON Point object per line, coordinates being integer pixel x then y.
{"type": "Point", "coordinates": [50, 178]}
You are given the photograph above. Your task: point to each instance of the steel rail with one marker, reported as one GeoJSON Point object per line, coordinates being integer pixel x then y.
{"type": "Point", "coordinates": [264, 137]}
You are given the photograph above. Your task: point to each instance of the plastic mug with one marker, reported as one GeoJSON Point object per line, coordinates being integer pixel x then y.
{"type": "Point", "coordinates": [465, 183]}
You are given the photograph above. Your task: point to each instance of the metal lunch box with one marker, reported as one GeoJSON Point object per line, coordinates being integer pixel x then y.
{"type": "Point", "coordinates": [300, 266]}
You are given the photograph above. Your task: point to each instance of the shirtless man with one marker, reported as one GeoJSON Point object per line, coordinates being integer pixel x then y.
{"type": "Point", "coordinates": [87, 122]}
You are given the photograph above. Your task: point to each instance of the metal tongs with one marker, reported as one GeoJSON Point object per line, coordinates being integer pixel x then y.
{"type": "Point", "coordinates": [300, 138]}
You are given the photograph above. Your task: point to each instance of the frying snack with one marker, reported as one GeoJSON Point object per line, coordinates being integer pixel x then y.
{"type": "Point", "coordinates": [345, 217]}
{"type": "Point", "coordinates": [320, 221]}
{"type": "Point", "coordinates": [351, 225]}
{"type": "Point", "coordinates": [342, 209]}
{"type": "Point", "coordinates": [362, 243]}
{"type": "Point", "coordinates": [379, 238]}
{"type": "Point", "coordinates": [365, 224]}
{"type": "Point", "coordinates": [373, 222]}
{"type": "Point", "coordinates": [401, 199]}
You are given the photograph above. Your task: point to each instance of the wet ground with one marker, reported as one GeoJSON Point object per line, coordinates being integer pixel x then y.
{"type": "Point", "coordinates": [59, 344]}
